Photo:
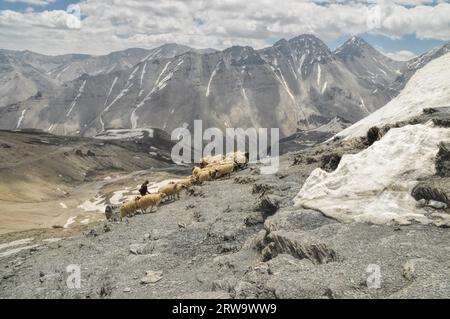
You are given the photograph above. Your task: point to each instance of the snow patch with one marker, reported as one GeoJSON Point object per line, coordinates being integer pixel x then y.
{"type": "Point", "coordinates": [375, 185]}
{"type": "Point", "coordinates": [213, 74]}
{"type": "Point", "coordinates": [22, 116]}
{"type": "Point", "coordinates": [97, 205]}
{"type": "Point", "coordinates": [20, 242]}
{"type": "Point", "coordinates": [319, 74]}
{"type": "Point", "coordinates": [324, 88]}
{"type": "Point", "coordinates": [124, 134]}
{"type": "Point", "coordinates": [70, 221]}
{"type": "Point", "coordinates": [15, 251]}
{"type": "Point", "coordinates": [74, 102]}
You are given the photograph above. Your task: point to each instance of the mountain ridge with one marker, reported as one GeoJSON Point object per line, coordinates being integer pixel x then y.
{"type": "Point", "coordinates": [296, 84]}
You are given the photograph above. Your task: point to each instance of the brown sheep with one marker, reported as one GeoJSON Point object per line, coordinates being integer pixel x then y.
{"type": "Point", "coordinates": [224, 170]}
{"type": "Point", "coordinates": [211, 160]}
{"type": "Point", "coordinates": [129, 208]}
{"type": "Point", "coordinates": [152, 200]}
{"type": "Point", "coordinates": [172, 190]}
{"type": "Point", "coordinates": [203, 176]}
{"type": "Point", "coordinates": [187, 182]}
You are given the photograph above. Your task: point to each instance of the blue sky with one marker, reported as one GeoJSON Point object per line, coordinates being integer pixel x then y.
{"type": "Point", "coordinates": [108, 25]}
{"type": "Point", "coordinates": [20, 6]}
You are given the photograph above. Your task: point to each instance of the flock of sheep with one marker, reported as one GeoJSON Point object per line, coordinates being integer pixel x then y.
{"type": "Point", "coordinates": [211, 167]}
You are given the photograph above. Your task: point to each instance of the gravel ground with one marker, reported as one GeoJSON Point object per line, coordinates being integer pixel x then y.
{"type": "Point", "coordinates": [238, 238]}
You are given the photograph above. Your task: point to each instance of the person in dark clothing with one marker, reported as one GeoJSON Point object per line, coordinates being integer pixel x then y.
{"type": "Point", "coordinates": [144, 189]}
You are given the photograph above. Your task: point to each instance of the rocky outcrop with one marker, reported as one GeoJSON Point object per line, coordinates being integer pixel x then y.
{"type": "Point", "coordinates": [282, 242]}
{"type": "Point", "coordinates": [331, 162]}
{"type": "Point", "coordinates": [112, 213]}
{"type": "Point", "coordinates": [426, 192]}
{"type": "Point", "coordinates": [443, 160]}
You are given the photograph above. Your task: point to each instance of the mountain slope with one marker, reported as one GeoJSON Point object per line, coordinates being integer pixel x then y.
{"type": "Point", "coordinates": [116, 61]}
{"type": "Point", "coordinates": [369, 65]}
{"type": "Point", "coordinates": [428, 88]}
{"type": "Point", "coordinates": [20, 80]}
{"type": "Point", "coordinates": [23, 73]}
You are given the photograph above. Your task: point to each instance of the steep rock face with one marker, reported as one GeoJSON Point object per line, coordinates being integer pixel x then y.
{"type": "Point", "coordinates": [294, 85]}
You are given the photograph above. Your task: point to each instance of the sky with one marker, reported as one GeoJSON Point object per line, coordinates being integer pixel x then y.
{"type": "Point", "coordinates": [402, 29]}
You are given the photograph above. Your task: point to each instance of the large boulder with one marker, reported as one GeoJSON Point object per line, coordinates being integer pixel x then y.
{"type": "Point", "coordinates": [112, 213]}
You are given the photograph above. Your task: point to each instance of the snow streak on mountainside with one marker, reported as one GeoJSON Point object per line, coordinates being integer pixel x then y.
{"type": "Point", "coordinates": [429, 87]}
{"type": "Point", "coordinates": [375, 185]}
{"type": "Point", "coordinates": [294, 85]}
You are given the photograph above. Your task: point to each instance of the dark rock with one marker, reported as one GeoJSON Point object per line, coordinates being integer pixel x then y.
{"type": "Point", "coordinates": [428, 193]}
{"type": "Point", "coordinates": [443, 160]}
{"type": "Point", "coordinates": [112, 213]}
{"type": "Point", "coordinates": [328, 293]}
{"type": "Point", "coordinates": [254, 219]}
{"type": "Point", "coordinates": [92, 233]}
{"type": "Point", "coordinates": [228, 248]}
{"type": "Point", "coordinates": [141, 249]}
{"type": "Point", "coordinates": [198, 217]}
{"type": "Point", "coordinates": [106, 228]}
{"type": "Point", "coordinates": [244, 180]}
{"type": "Point", "coordinates": [298, 160]}
{"type": "Point", "coordinates": [268, 205]}
{"type": "Point", "coordinates": [373, 135]}
{"type": "Point", "coordinates": [195, 191]}
{"type": "Point", "coordinates": [261, 188]}
{"type": "Point", "coordinates": [5, 145]}
{"type": "Point", "coordinates": [285, 243]}
{"type": "Point", "coordinates": [330, 162]}
{"type": "Point", "coordinates": [79, 153]}
{"type": "Point", "coordinates": [90, 153]}
{"type": "Point", "coordinates": [311, 160]}
{"type": "Point", "coordinates": [228, 236]}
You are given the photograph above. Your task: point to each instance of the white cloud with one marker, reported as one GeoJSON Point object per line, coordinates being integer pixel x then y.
{"type": "Point", "coordinates": [115, 24]}
{"type": "Point", "coordinates": [401, 55]}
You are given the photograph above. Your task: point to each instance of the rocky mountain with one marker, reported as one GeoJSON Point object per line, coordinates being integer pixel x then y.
{"type": "Point", "coordinates": [416, 64]}
{"type": "Point", "coordinates": [372, 67]}
{"type": "Point", "coordinates": [20, 80]}
{"type": "Point", "coordinates": [296, 84]}
{"type": "Point", "coordinates": [23, 73]}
